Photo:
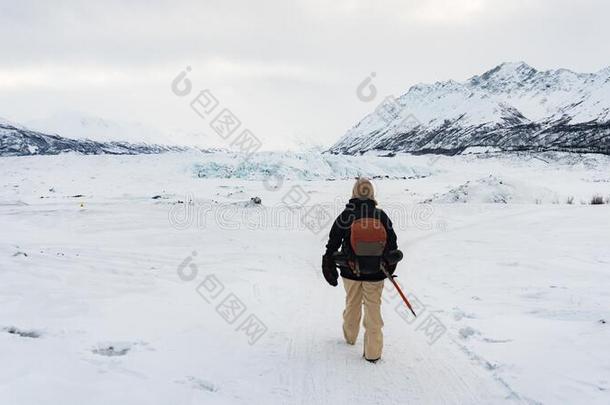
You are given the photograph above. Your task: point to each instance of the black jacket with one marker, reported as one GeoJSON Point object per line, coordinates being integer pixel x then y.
{"type": "Point", "coordinates": [340, 233]}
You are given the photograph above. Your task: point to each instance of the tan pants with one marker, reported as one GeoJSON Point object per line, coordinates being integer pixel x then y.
{"type": "Point", "coordinates": [369, 294]}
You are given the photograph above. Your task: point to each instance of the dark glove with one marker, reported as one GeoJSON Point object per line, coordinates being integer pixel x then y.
{"type": "Point", "coordinates": [391, 268]}
{"type": "Point", "coordinates": [329, 270]}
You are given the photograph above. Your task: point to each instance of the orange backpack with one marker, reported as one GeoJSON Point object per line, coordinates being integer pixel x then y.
{"type": "Point", "coordinates": [368, 241]}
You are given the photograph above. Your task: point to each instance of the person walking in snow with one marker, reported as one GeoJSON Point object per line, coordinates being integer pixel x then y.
{"type": "Point", "coordinates": [364, 233]}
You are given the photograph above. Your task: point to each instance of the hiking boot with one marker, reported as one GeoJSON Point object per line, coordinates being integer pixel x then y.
{"type": "Point", "coordinates": [371, 360]}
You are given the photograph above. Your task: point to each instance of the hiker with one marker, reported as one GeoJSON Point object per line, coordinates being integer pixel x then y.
{"type": "Point", "coordinates": [364, 233]}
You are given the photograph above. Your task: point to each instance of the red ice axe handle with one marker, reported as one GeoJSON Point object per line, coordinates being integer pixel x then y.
{"type": "Point", "coordinates": [388, 275]}
{"type": "Point", "coordinates": [341, 260]}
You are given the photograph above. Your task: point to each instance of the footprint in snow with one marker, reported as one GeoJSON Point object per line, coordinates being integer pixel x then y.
{"type": "Point", "coordinates": [467, 331]}
{"type": "Point", "coordinates": [491, 366]}
{"type": "Point", "coordinates": [198, 383]}
{"type": "Point", "coordinates": [458, 314]}
{"type": "Point", "coordinates": [22, 332]}
{"type": "Point", "coordinates": [113, 349]}
{"type": "Point", "coordinates": [490, 340]}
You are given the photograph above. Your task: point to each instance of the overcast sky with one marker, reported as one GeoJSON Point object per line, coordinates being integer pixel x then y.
{"type": "Point", "coordinates": [287, 69]}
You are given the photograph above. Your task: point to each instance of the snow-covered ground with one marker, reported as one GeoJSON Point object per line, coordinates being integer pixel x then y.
{"type": "Point", "coordinates": [117, 276]}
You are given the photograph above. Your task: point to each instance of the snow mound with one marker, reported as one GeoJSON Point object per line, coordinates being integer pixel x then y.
{"type": "Point", "coordinates": [495, 190]}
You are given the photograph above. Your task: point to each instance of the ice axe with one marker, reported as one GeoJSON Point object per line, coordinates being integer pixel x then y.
{"type": "Point", "coordinates": [391, 257]}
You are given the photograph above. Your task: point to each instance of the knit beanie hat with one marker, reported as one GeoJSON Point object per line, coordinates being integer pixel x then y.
{"type": "Point", "coordinates": [363, 189]}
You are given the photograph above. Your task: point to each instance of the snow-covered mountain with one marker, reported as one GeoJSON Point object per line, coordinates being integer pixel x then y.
{"type": "Point", "coordinates": [510, 107]}
{"type": "Point", "coordinates": [78, 125]}
{"type": "Point", "coordinates": [16, 140]}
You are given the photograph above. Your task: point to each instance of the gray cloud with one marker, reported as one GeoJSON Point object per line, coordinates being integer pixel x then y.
{"type": "Point", "coordinates": [286, 68]}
